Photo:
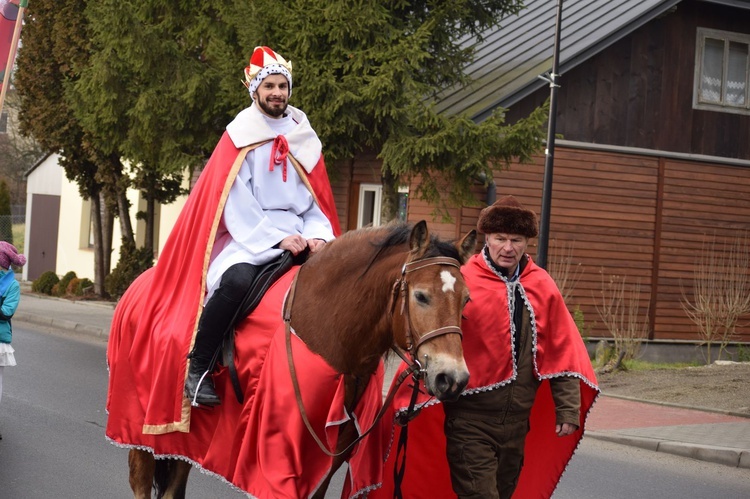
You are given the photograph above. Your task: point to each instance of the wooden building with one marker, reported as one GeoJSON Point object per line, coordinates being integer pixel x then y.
{"type": "Point", "coordinates": [653, 167]}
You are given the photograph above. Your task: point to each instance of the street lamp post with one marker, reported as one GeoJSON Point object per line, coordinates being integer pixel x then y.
{"type": "Point", "coordinates": [549, 152]}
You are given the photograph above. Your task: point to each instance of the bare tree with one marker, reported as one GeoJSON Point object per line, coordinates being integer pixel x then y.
{"type": "Point", "coordinates": [562, 269]}
{"type": "Point", "coordinates": [619, 309]}
{"type": "Point", "coordinates": [720, 292]}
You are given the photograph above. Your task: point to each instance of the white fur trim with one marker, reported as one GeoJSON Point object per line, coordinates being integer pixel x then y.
{"type": "Point", "coordinates": [249, 127]}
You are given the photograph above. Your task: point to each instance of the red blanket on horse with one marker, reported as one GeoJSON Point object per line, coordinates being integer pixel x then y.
{"type": "Point", "coordinates": [261, 446]}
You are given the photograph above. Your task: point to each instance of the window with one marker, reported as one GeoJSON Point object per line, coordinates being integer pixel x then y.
{"type": "Point", "coordinates": [403, 203]}
{"type": "Point", "coordinates": [370, 205]}
{"type": "Point", "coordinates": [86, 234]}
{"type": "Point", "coordinates": [722, 71]}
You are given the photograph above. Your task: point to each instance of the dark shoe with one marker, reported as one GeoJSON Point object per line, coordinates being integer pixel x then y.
{"type": "Point", "coordinates": [200, 391]}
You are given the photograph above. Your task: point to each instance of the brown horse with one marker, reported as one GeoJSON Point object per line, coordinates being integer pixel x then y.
{"type": "Point", "coordinates": [367, 291]}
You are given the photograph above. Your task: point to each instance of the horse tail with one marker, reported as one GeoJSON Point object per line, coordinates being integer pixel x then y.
{"type": "Point", "coordinates": [170, 478]}
{"type": "Point", "coordinates": [161, 477]}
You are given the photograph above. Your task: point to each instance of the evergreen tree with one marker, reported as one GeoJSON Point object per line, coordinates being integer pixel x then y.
{"type": "Point", "coordinates": [166, 78]}
{"type": "Point", "coordinates": [55, 46]}
{"type": "Point", "coordinates": [369, 72]}
{"type": "Point", "coordinates": [148, 92]}
{"type": "Point", "coordinates": [155, 83]}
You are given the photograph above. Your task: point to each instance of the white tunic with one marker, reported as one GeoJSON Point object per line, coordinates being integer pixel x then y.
{"type": "Point", "coordinates": [262, 209]}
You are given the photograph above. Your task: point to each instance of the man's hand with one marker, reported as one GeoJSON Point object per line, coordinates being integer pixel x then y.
{"type": "Point", "coordinates": [315, 245]}
{"type": "Point", "coordinates": [565, 429]}
{"type": "Point", "coordinates": [296, 244]}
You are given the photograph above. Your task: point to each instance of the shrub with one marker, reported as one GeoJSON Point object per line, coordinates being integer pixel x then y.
{"type": "Point", "coordinates": [85, 287]}
{"type": "Point", "coordinates": [45, 283]}
{"type": "Point", "coordinates": [80, 287]}
{"type": "Point", "coordinates": [583, 328]}
{"type": "Point", "coordinates": [74, 284]}
{"type": "Point", "coordinates": [62, 286]}
{"type": "Point", "coordinates": [133, 261]}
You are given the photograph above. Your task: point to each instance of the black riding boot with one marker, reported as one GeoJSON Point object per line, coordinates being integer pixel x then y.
{"type": "Point", "coordinates": [217, 318]}
{"type": "Point", "coordinates": [199, 385]}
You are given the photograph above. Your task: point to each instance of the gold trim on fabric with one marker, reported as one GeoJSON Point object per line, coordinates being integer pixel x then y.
{"type": "Point", "coordinates": [302, 173]}
{"type": "Point", "coordinates": [184, 424]}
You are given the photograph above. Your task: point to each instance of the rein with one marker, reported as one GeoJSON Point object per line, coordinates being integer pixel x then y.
{"type": "Point", "coordinates": [414, 367]}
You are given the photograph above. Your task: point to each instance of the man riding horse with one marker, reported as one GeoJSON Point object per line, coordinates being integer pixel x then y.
{"type": "Point", "coordinates": [365, 292]}
{"type": "Point", "coordinates": [270, 208]}
{"type": "Point", "coordinates": [264, 192]}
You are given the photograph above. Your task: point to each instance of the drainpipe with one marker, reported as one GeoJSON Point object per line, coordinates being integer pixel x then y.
{"type": "Point", "coordinates": [491, 192]}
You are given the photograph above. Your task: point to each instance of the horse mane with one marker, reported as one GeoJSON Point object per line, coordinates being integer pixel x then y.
{"type": "Point", "coordinates": [398, 233]}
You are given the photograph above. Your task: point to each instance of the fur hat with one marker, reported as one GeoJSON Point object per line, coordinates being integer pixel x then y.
{"type": "Point", "coordinates": [263, 63]}
{"type": "Point", "coordinates": [9, 255]}
{"type": "Point", "coordinates": [507, 216]}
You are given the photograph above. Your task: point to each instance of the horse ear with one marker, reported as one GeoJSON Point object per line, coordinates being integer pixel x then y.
{"type": "Point", "coordinates": [419, 239]}
{"type": "Point", "coordinates": [467, 246]}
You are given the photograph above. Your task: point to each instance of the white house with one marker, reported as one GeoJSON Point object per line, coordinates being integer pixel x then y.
{"type": "Point", "coordinates": [58, 223]}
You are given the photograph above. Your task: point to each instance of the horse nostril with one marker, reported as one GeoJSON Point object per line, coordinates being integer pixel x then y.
{"type": "Point", "coordinates": [443, 383]}
{"type": "Point", "coordinates": [461, 383]}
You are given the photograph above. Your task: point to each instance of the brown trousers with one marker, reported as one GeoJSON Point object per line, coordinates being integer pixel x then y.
{"type": "Point", "coordinates": [485, 455]}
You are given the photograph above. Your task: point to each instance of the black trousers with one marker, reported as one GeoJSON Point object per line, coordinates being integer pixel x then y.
{"type": "Point", "coordinates": [221, 312]}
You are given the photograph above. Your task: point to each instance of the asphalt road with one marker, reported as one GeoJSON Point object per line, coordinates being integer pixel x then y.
{"type": "Point", "coordinates": [52, 419]}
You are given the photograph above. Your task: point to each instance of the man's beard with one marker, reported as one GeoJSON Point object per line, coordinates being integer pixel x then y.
{"type": "Point", "coordinates": [274, 112]}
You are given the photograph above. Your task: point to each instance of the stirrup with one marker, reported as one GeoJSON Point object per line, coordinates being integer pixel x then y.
{"type": "Point", "coordinates": [194, 402]}
{"type": "Point", "coordinates": [210, 399]}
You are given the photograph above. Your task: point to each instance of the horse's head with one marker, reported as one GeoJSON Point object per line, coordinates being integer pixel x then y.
{"type": "Point", "coordinates": [430, 297]}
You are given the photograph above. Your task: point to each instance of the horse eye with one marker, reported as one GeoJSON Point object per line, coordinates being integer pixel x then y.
{"type": "Point", "coordinates": [421, 298]}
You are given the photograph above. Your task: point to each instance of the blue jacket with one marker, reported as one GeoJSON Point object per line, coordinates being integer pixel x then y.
{"type": "Point", "coordinates": [10, 303]}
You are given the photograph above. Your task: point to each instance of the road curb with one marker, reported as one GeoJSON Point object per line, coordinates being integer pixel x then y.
{"type": "Point", "coordinates": [66, 325]}
{"type": "Point", "coordinates": [735, 458]}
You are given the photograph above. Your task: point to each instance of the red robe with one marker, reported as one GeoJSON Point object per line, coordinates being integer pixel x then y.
{"type": "Point", "coordinates": [560, 351]}
{"type": "Point", "coordinates": [260, 446]}
{"type": "Point", "coordinates": [172, 302]}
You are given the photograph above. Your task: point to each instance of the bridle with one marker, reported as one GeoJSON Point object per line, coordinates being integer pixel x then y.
{"type": "Point", "coordinates": [415, 369]}
{"type": "Point", "coordinates": [401, 288]}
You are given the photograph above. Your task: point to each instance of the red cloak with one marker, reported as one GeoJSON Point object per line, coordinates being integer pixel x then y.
{"type": "Point", "coordinates": [559, 351]}
{"type": "Point", "coordinates": [170, 305]}
{"type": "Point", "coordinates": [260, 446]}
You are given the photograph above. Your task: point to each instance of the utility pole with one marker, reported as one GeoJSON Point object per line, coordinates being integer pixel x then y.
{"type": "Point", "coordinates": [549, 152]}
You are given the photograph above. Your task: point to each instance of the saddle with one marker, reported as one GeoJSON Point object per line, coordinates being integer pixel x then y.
{"type": "Point", "coordinates": [267, 275]}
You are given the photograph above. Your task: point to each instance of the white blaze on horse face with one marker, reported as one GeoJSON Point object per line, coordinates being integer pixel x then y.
{"type": "Point", "coordinates": [449, 282]}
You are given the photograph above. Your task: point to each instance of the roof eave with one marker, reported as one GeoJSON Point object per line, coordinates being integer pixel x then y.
{"type": "Point", "coordinates": [534, 83]}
